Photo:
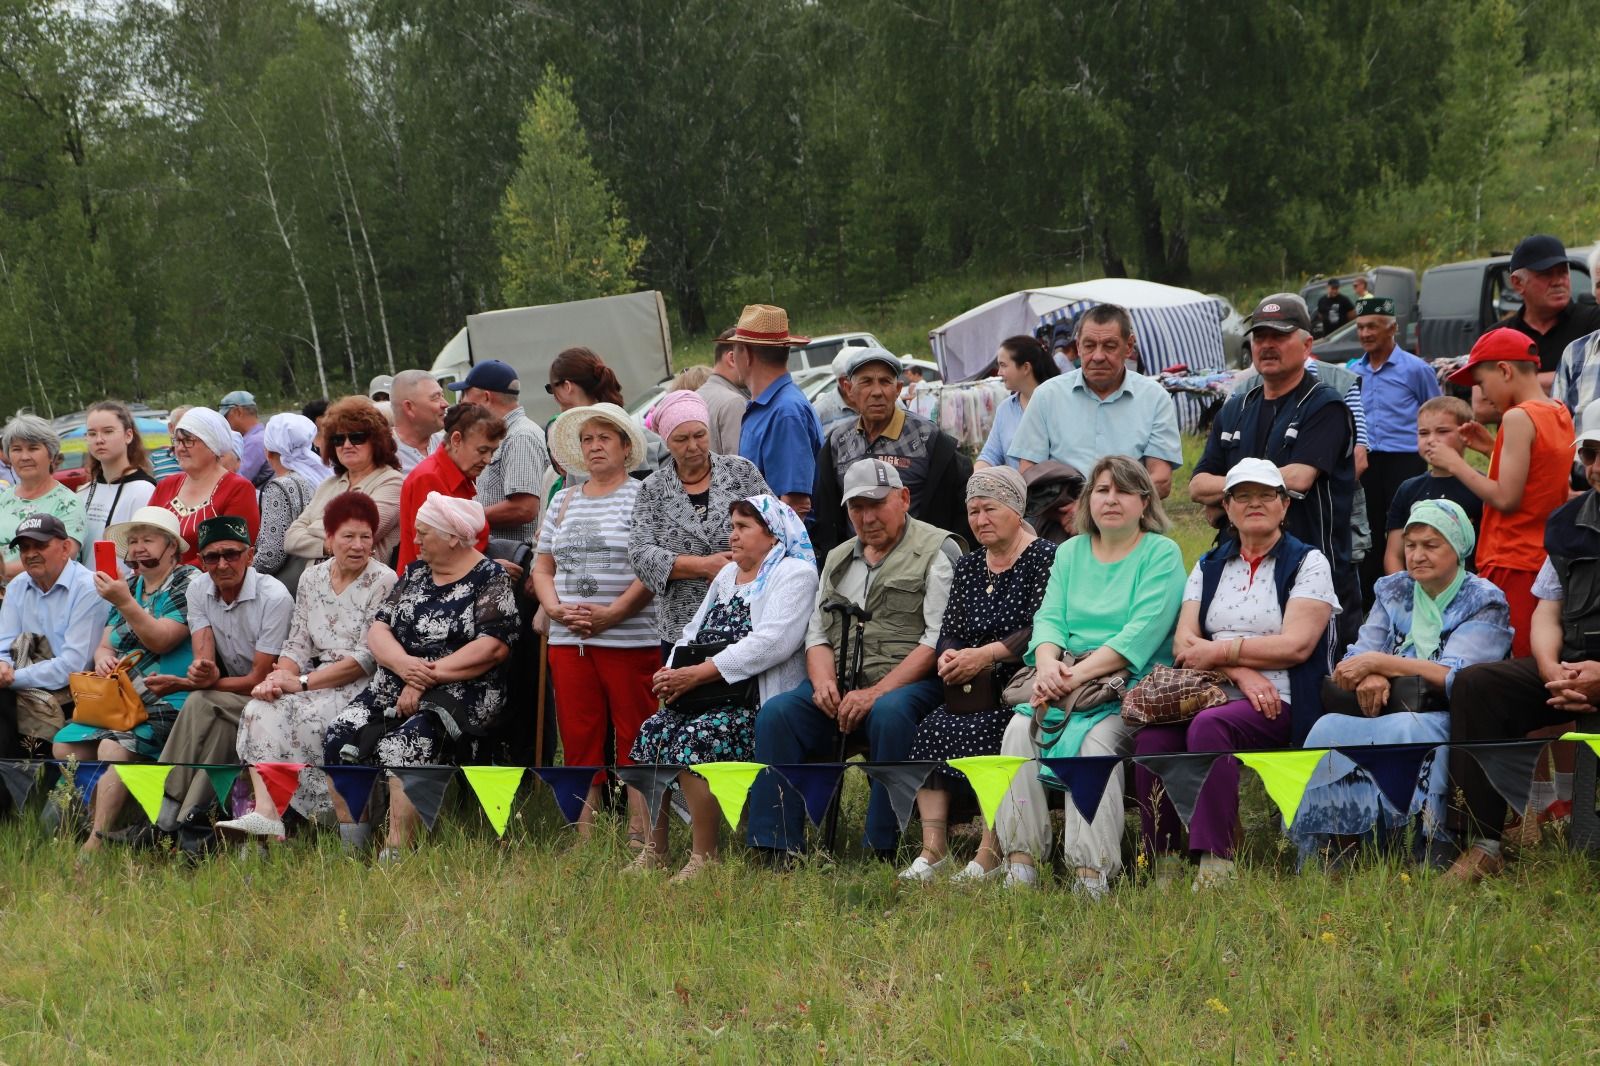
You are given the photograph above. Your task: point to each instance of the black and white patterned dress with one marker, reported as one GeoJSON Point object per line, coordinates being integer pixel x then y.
{"type": "Point", "coordinates": [984, 607]}
{"type": "Point", "coordinates": [727, 734]}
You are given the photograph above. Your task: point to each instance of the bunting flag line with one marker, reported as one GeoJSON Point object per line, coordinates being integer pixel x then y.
{"type": "Point", "coordinates": [652, 781]}
{"type": "Point", "coordinates": [1395, 770]}
{"type": "Point", "coordinates": [901, 781]}
{"type": "Point", "coordinates": [815, 781]}
{"type": "Point", "coordinates": [425, 787]}
{"type": "Point", "coordinates": [730, 783]}
{"type": "Point", "coordinates": [145, 782]}
{"type": "Point", "coordinates": [19, 778]}
{"type": "Point", "coordinates": [281, 779]}
{"type": "Point", "coordinates": [354, 785]}
{"type": "Point", "coordinates": [569, 785]}
{"type": "Point", "coordinates": [1182, 776]}
{"type": "Point", "coordinates": [990, 777]}
{"type": "Point", "coordinates": [495, 787]}
{"type": "Point", "coordinates": [86, 777]}
{"type": "Point", "coordinates": [1509, 768]}
{"type": "Point", "coordinates": [1591, 739]}
{"type": "Point", "coordinates": [222, 779]}
{"type": "Point", "coordinates": [1285, 774]}
{"type": "Point", "coordinates": [1085, 777]}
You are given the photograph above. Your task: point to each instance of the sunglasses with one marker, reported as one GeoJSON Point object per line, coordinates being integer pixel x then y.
{"type": "Point", "coordinates": [223, 555]}
{"type": "Point", "coordinates": [1588, 454]}
{"type": "Point", "coordinates": [553, 386]}
{"type": "Point", "coordinates": [358, 438]}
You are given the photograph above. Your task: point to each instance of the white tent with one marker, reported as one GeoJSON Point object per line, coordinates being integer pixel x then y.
{"type": "Point", "coordinates": [1170, 325]}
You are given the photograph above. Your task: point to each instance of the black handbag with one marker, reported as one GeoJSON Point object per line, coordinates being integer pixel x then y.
{"type": "Point", "coordinates": [980, 693]}
{"type": "Point", "coordinates": [716, 695]}
{"type": "Point", "coordinates": [1410, 695]}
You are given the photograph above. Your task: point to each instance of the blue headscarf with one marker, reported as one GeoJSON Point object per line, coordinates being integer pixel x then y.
{"type": "Point", "coordinates": [793, 540]}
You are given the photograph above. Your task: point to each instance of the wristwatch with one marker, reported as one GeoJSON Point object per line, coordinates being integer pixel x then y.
{"type": "Point", "coordinates": [305, 682]}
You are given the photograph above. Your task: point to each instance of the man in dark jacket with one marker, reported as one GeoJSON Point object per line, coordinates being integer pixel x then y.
{"type": "Point", "coordinates": [930, 462]}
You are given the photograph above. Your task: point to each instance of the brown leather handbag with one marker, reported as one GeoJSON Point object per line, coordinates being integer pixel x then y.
{"type": "Point", "coordinates": [113, 702]}
{"type": "Point", "coordinates": [975, 695]}
{"type": "Point", "coordinates": [1174, 694]}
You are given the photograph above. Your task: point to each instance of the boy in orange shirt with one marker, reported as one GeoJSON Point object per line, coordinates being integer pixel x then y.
{"type": "Point", "coordinates": [1529, 471]}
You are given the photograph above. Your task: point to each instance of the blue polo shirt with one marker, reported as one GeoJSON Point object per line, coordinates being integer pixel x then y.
{"type": "Point", "coordinates": [1067, 422]}
{"type": "Point", "coordinates": [781, 435]}
{"type": "Point", "coordinates": [1390, 396]}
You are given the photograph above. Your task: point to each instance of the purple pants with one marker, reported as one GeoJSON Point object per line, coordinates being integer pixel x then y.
{"type": "Point", "coordinates": [1234, 726]}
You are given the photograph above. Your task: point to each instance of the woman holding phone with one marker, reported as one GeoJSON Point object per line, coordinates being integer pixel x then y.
{"type": "Point", "coordinates": [121, 479]}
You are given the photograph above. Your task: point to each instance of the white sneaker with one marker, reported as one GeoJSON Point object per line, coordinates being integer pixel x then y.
{"type": "Point", "coordinates": [974, 874]}
{"type": "Point", "coordinates": [923, 870]}
{"type": "Point", "coordinates": [256, 824]}
{"type": "Point", "coordinates": [1095, 887]}
{"type": "Point", "coordinates": [1021, 875]}
{"type": "Point", "coordinates": [1214, 873]}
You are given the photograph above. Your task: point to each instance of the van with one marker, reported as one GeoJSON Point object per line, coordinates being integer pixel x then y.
{"type": "Point", "coordinates": [1462, 301]}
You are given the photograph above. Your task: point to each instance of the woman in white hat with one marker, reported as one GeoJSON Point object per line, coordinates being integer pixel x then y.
{"type": "Point", "coordinates": [604, 647]}
{"type": "Point", "coordinates": [149, 616]}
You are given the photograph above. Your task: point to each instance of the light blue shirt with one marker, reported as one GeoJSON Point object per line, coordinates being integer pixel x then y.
{"type": "Point", "coordinates": [71, 616]}
{"type": "Point", "coordinates": [1578, 375]}
{"type": "Point", "coordinates": [1390, 396]}
{"type": "Point", "coordinates": [1006, 419]}
{"type": "Point", "coordinates": [1067, 422]}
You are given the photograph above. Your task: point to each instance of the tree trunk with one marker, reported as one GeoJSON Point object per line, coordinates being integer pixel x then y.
{"type": "Point", "coordinates": [366, 243]}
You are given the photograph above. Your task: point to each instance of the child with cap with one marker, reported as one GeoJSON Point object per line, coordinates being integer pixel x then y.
{"type": "Point", "coordinates": [1528, 471]}
{"type": "Point", "coordinates": [1439, 423]}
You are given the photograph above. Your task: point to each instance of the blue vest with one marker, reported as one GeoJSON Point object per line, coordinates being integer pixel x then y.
{"type": "Point", "coordinates": [1305, 680]}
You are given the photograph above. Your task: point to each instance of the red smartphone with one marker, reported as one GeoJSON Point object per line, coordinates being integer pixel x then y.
{"type": "Point", "coordinates": [105, 558]}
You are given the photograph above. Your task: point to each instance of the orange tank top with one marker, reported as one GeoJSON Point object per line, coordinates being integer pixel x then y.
{"type": "Point", "coordinates": [1515, 541]}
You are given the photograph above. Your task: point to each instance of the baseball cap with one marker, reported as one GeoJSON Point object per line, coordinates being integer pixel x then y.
{"type": "Point", "coordinates": [1538, 252]}
{"type": "Point", "coordinates": [41, 528]}
{"type": "Point", "coordinates": [1502, 345]}
{"type": "Point", "coordinates": [383, 383]}
{"type": "Point", "coordinates": [491, 375]}
{"type": "Point", "coordinates": [1282, 312]}
{"type": "Point", "coordinates": [871, 479]}
{"type": "Point", "coordinates": [1254, 472]}
{"type": "Point", "coordinates": [860, 357]}
{"type": "Point", "coordinates": [237, 398]}
{"type": "Point", "coordinates": [1589, 423]}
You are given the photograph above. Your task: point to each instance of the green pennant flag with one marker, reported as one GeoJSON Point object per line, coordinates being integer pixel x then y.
{"type": "Point", "coordinates": [1591, 739]}
{"type": "Point", "coordinates": [1285, 774]}
{"type": "Point", "coordinates": [145, 782]}
{"type": "Point", "coordinates": [222, 779]}
{"type": "Point", "coordinates": [495, 787]}
{"type": "Point", "coordinates": [990, 777]}
{"type": "Point", "coordinates": [730, 783]}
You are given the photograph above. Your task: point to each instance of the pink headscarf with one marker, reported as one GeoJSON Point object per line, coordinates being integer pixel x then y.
{"type": "Point", "coordinates": [456, 517]}
{"type": "Point", "coordinates": [676, 408]}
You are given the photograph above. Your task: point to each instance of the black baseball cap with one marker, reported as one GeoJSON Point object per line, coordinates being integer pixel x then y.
{"type": "Point", "coordinates": [40, 528]}
{"type": "Point", "coordinates": [1538, 252]}
{"type": "Point", "coordinates": [1282, 312]}
{"type": "Point", "coordinates": [491, 375]}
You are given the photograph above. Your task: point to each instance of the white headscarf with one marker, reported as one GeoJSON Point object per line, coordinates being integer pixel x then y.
{"type": "Point", "coordinates": [212, 429]}
{"type": "Point", "coordinates": [793, 540]}
{"type": "Point", "coordinates": [289, 437]}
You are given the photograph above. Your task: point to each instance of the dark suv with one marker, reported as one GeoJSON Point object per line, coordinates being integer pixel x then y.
{"type": "Point", "coordinates": [1460, 301]}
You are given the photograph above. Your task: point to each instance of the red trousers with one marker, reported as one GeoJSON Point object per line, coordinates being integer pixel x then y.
{"type": "Point", "coordinates": [1518, 587]}
{"type": "Point", "coordinates": [596, 686]}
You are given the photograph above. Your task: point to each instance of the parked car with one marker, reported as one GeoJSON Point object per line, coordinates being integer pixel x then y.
{"type": "Point", "coordinates": [1397, 283]}
{"type": "Point", "coordinates": [1340, 346]}
{"type": "Point", "coordinates": [1461, 301]}
{"type": "Point", "coordinates": [1235, 341]}
{"type": "Point", "coordinates": [821, 350]}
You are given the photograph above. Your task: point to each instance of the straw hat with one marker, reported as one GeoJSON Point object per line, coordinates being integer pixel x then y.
{"type": "Point", "coordinates": [154, 517]}
{"type": "Point", "coordinates": [564, 433]}
{"type": "Point", "coordinates": [764, 324]}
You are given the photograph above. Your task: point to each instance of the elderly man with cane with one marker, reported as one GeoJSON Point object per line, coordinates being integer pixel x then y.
{"type": "Point", "coordinates": [895, 574]}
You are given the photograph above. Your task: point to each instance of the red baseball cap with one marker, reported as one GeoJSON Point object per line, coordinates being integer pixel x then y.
{"type": "Point", "coordinates": [1503, 345]}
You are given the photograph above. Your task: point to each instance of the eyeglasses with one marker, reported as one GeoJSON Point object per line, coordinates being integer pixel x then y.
{"type": "Point", "coordinates": [181, 439]}
{"type": "Point", "coordinates": [553, 386]}
{"type": "Point", "coordinates": [223, 555]}
{"type": "Point", "coordinates": [358, 438]}
{"type": "Point", "coordinates": [1251, 499]}
{"type": "Point", "coordinates": [1587, 455]}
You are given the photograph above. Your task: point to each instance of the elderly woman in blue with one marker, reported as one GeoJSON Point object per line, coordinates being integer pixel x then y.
{"type": "Point", "coordinates": [1429, 622]}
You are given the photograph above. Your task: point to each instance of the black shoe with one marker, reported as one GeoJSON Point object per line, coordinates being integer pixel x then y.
{"type": "Point", "coordinates": [138, 837]}
{"type": "Point", "coordinates": [774, 859]}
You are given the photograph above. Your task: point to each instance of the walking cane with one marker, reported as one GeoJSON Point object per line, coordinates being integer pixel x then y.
{"type": "Point", "coordinates": [539, 701]}
{"type": "Point", "coordinates": [850, 652]}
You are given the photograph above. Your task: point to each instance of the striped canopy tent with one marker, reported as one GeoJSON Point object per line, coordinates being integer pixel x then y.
{"type": "Point", "coordinates": [1171, 326]}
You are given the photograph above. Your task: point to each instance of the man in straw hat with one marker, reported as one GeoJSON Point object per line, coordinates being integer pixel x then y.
{"type": "Point", "coordinates": [781, 433]}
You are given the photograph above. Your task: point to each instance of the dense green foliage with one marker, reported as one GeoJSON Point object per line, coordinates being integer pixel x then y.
{"type": "Point", "coordinates": [296, 194]}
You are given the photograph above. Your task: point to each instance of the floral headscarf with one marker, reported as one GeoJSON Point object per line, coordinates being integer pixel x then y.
{"type": "Point", "coordinates": [793, 540]}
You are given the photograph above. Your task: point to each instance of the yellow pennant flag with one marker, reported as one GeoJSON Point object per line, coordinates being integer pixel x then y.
{"type": "Point", "coordinates": [1285, 774]}
{"type": "Point", "coordinates": [145, 782]}
{"type": "Point", "coordinates": [495, 787]}
{"type": "Point", "coordinates": [1591, 739]}
{"type": "Point", "coordinates": [730, 783]}
{"type": "Point", "coordinates": [990, 777]}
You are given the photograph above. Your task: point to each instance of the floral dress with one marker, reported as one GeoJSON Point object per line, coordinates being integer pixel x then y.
{"type": "Point", "coordinates": [328, 626]}
{"type": "Point", "coordinates": [431, 621]}
{"type": "Point", "coordinates": [727, 734]}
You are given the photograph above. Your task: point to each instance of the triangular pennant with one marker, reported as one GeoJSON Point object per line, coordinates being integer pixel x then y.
{"type": "Point", "coordinates": [901, 780]}
{"type": "Point", "coordinates": [652, 780]}
{"type": "Point", "coordinates": [281, 779]}
{"type": "Point", "coordinates": [1182, 776]}
{"type": "Point", "coordinates": [145, 782]}
{"type": "Point", "coordinates": [354, 785]}
{"type": "Point", "coordinates": [816, 782]}
{"type": "Point", "coordinates": [19, 778]}
{"type": "Point", "coordinates": [222, 779]}
{"type": "Point", "coordinates": [1285, 774]}
{"type": "Point", "coordinates": [85, 777]}
{"type": "Point", "coordinates": [1394, 768]}
{"type": "Point", "coordinates": [730, 783]}
{"type": "Point", "coordinates": [1591, 739]}
{"type": "Point", "coordinates": [495, 787]}
{"type": "Point", "coordinates": [1509, 768]}
{"type": "Point", "coordinates": [569, 785]}
{"type": "Point", "coordinates": [425, 787]}
{"type": "Point", "coordinates": [1085, 777]}
{"type": "Point", "coordinates": [990, 777]}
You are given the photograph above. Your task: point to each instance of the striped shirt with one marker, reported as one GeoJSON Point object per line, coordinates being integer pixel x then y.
{"type": "Point", "coordinates": [588, 537]}
{"type": "Point", "coordinates": [517, 469]}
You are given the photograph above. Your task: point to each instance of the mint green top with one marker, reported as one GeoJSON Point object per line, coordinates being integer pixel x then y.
{"type": "Point", "coordinates": [1130, 605]}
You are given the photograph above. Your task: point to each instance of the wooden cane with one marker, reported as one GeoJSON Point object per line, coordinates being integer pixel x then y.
{"type": "Point", "coordinates": [538, 723]}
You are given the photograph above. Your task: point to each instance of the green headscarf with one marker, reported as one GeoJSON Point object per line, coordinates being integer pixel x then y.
{"type": "Point", "coordinates": [1427, 612]}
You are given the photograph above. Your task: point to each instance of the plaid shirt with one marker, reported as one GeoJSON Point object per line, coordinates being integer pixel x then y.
{"type": "Point", "coordinates": [1578, 376]}
{"type": "Point", "coordinates": [517, 469]}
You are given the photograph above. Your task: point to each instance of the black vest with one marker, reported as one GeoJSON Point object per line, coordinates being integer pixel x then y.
{"type": "Point", "coordinates": [1572, 538]}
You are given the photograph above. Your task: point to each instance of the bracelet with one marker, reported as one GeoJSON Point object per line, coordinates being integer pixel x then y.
{"type": "Point", "coordinates": [1235, 651]}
